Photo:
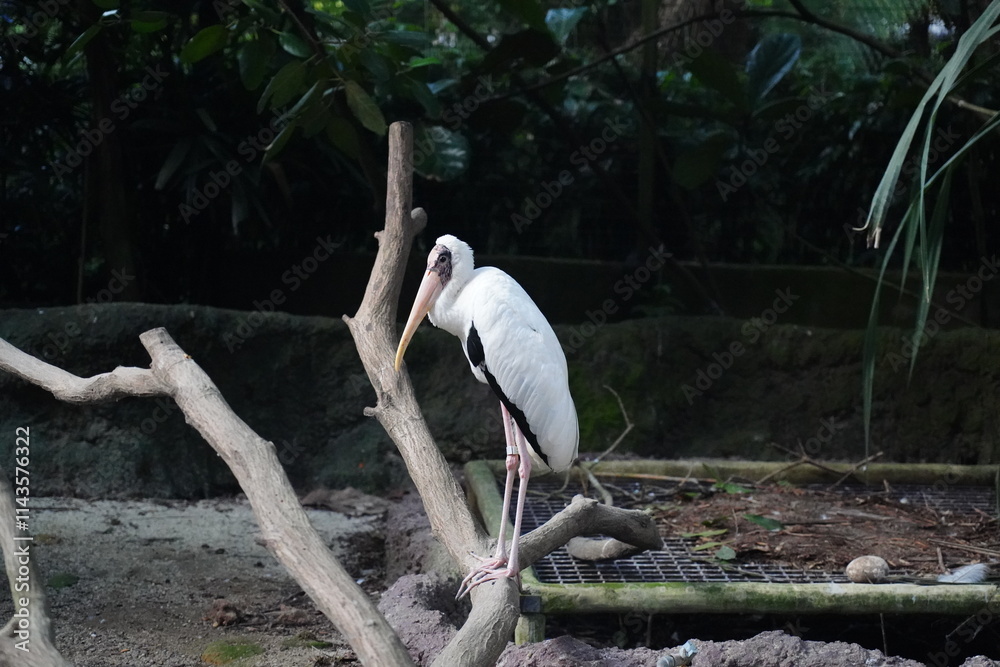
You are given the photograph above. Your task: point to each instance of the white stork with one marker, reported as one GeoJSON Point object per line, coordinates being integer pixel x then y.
{"type": "Point", "coordinates": [512, 348]}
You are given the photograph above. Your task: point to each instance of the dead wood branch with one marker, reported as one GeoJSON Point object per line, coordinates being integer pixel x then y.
{"type": "Point", "coordinates": [589, 549]}
{"type": "Point", "coordinates": [284, 525]}
{"type": "Point", "coordinates": [495, 605]}
{"type": "Point", "coordinates": [253, 460]}
{"type": "Point", "coordinates": [586, 516]}
{"type": "Point", "coordinates": [103, 388]}
{"type": "Point", "coordinates": [31, 620]}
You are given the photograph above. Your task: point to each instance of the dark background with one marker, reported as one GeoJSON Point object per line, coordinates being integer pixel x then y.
{"type": "Point", "coordinates": [763, 147]}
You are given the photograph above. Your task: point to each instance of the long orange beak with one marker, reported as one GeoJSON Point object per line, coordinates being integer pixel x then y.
{"type": "Point", "coordinates": [430, 287]}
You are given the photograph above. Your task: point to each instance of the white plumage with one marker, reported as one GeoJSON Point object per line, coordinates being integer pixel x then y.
{"type": "Point", "coordinates": [510, 346]}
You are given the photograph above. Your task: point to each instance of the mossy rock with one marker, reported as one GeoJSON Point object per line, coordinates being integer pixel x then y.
{"type": "Point", "coordinates": [227, 651]}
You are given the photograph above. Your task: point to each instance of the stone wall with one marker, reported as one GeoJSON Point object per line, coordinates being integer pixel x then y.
{"type": "Point", "coordinates": [693, 387]}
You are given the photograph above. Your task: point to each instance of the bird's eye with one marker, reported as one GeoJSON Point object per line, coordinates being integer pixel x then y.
{"type": "Point", "coordinates": [442, 259]}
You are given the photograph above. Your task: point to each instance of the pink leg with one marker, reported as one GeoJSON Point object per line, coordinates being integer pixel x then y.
{"type": "Point", "coordinates": [524, 470]}
{"type": "Point", "coordinates": [511, 463]}
{"type": "Point", "coordinates": [493, 568]}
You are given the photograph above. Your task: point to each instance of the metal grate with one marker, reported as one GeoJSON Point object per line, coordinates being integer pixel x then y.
{"type": "Point", "coordinates": [676, 562]}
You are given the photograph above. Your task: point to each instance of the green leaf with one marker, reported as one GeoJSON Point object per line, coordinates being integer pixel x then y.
{"type": "Point", "coordinates": [528, 11]}
{"type": "Point", "coordinates": [725, 553]}
{"type": "Point", "coordinates": [707, 533]}
{"type": "Point", "coordinates": [206, 42]}
{"type": "Point", "coordinates": [294, 44]}
{"type": "Point", "coordinates": [314, 93]}
{"type": "Point", "coordinates": [254, 57]}
{"type": "Point", "coordinates": [730, 487]}
{"type": "Point", "coordinates": [313, 119]}
{"type": "Point", "coordinates": [279, 143]}
{"type": "Point", "coordinates": [714, 71]}
{"type": "Point", "coordinates": [561, 22]}
{"type": "Point", "coordinates": [934, 237]}
{"type": "Point", "coordinates": [264, 10]}
{"type": "Point", "coordinates": [411, 39]}
{"type": "Point", "coordinates": [342, 134]}
{"type": "Point", "coordinates": [706, 546]}
{"type": "Point", "coordinates": [359, 7]}
{"type": "Point", "coordinates": [438, 153]}
{"type": "Point", "coordinates": [364, 108]}
{"type": "Point", "coordinates": [82, 41]}
{"type": "Point", "coordinates": [416, 62]}
{"type": "Point", "coordinates": [207, 119]}
{"type": "Point", "coordinates": [420, 92]}
{"type": "Point", "coordinates": [764, 522]}
{"type": "Point", "coordinates": [980, 32]}
{"type": "Point", "coordinates": [700, 162]}
{"type": "Point", "coordinates": [769, 62]}
{"type": "Point", "coordinates": [151, 21]}
{"type": "Point", "coordinates": [283, 85]}
{"type": "Point", "coordinates": [174, 160]}
{"type": "Point", "coordinates": [376, 64]}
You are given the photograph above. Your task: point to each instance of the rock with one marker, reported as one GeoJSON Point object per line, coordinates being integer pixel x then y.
{"type": "Point", "coordinates": [568, 651]}
{"type": "Point", "coordinates": [777, 649]}
{"type": "Point", "coordinates": [422, 609]}
{"type": "Point", "coordinates": [867, 570]}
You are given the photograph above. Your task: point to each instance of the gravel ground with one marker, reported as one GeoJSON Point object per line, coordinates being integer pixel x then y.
{"type": "Point", "coordinates": [150, 573]}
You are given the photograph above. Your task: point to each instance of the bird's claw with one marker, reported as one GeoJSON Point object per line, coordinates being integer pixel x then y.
{"type": "Point", "coordinates": [491, 569]}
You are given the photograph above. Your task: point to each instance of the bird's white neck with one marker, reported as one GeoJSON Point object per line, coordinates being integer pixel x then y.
{"type": "Point", "coordinates": [451, 311]}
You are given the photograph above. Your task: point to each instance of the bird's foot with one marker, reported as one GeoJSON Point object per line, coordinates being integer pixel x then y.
{"type": "Point", "coordinates": [491, 569]}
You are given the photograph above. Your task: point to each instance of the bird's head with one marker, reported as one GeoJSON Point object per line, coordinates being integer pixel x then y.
{"type": "Point", "coordinates": [450, 262]}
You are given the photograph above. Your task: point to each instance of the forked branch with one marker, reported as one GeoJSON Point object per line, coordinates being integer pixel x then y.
{"type": "Point", "coordinates": [285, 527]}
{"type": "Point", "coordinates": [253, 460]}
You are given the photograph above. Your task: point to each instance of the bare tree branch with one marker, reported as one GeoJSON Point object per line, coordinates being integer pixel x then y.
{"type": "Point", "coordinates": [253, 460]}
{"type": "Point", "coordinates": [106, 387]}
{"type": "Point", "coordinates": [587, 516]}
{"type": "Point", "coordinates": [495, 605]}
{"type": "Point", "coordinates": [374, 332]}
{"type": "Point", "coordinates": [31, 620]}
{"type": "Point", "coordinates": [284, 525]}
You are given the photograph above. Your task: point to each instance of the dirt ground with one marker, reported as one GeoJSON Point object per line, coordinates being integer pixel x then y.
{"type": "Point", "coordinates": [825, 528]}
{"type": "Point", "coordinates": [149, 575]}
{"type": "Point", "coordinates": [158, 583]}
